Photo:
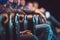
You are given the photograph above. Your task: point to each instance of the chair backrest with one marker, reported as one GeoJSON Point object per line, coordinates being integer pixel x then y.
{"type": "Point", "coordinates": [8, 25]}
{"type": "Point", "coordinates": [2, 29]}
{"type": "Point", "coordinates": [13, 21]}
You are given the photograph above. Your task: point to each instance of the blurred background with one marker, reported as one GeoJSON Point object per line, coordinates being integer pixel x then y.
{"type": "Point", "coordinates": [51, 5]}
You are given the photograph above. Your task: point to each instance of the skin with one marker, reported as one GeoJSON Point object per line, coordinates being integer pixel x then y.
{"type": "Point", "coordinates": [19, 2]}
{"type": "Point", "coordinates": [35, 4]}
{"type": "Point", "coordinates": [41, 14]}
{"type": "Point", "coordinates": [30, 6]}
{"type": "Point", "coordinates": [58, 30]}
{"type": "Point", "coordinates": [25, 32]}
{"type": "Point", "coordinates": [22, 2]}
{"type": "Point", "coordinates": [39, 11]}
{"type": "Point", "coordinates": [34, 7]}
{"type": "Point", "coordinates": [42, 9]}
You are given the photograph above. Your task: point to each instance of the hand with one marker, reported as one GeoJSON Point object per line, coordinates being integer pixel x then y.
{"type": "Point", "coordinates": [25, 32]}
{"type": "Point", "coordinates": [37, 11]}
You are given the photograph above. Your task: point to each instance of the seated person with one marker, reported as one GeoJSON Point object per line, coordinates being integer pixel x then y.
{"type": "Point", "coordinates": [41, 26]}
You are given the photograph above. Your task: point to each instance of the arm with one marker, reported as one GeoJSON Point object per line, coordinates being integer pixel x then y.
{"type": "Point", "coordinates": [41, 14]}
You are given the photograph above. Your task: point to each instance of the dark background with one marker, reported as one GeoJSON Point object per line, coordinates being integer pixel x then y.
{"type": "Point", "coordinates": [52, 5]}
